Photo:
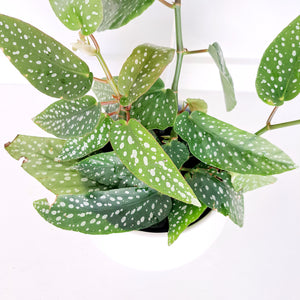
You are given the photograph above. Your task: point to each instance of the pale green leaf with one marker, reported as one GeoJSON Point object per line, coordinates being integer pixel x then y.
{"type": "Point", "coordinates": [197, 105]}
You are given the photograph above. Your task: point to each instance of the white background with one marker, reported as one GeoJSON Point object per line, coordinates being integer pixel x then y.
{"type": "Point", "coordinates": [259, 261]}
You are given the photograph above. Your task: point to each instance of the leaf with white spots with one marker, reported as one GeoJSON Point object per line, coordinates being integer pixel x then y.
{"type": "Point", "coordinates": [118, 13]}
{"type": "Point", "coordinates": [155, 110]}
{"type": "Point", "coordinates": [81, 146]}
{"type": "Point", "coordinates": [47, 65]}
{"type": "Point", "coordinates": [226, 147]}
{"type": "Point", "coordinates": [107, 169]}
{"type": "Point", "coordinates": [178, 152]}
{"type": "Point", "coordinates": [180, 217]}
{"type": "Point", "coordinates": [84, 15]}
{"type": "Point", "coordinates": [39, 161]}
{"type": "Point", "coordinates": [278, 73]}
{"type": "Point", "coordinates": [216, 53]}
{"type": "Point", "coordinates": [70, 118]}
{"type": "Point", "coordinates": [141, 69]}
{"type": "Point", "coordinates": [143, 156]}
{"type": "Point", "coordinates": [107, 211]}
{"type": "Point", "coordinates": [246, 183]}
{"type": "Point", "coordinates": [215, 190]}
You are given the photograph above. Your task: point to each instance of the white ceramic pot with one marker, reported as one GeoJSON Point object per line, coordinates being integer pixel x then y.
{"type": "Point", "coordinates": [150, 251]}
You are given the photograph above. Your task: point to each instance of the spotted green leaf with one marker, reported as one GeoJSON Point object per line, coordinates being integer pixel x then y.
{"type": "Point", "coordinates": [278, 73]}
{"type": "Point", "coordinates": [226, 147]}
{"type": "Point", "coordinates": [107, 169]}
{"type": "Point", "coordinates": [246, 183]}
{"type": "Point", "coordinates": [81, 146]}
{"type": "Point", "coordinates": [177, 151]}
{"type": "Point", "coordinates": [105, 212]}
{"type": "Point", "coordinates": [140, 71]}
{"type": "Point", "coordinates": [143, 156]}
{"type": "Point", "coordinates": [215, 190]}
{"type": "Point", "coordinates": [216, 53]}
{"type": "Point", "coordinates": [65, 118]}
{"type": "Point", "coordinates": [84, 15]}
{"type": "Point", "coordinates": [39, 161]}
{"type": "Point", "coordinates": [117, 13]}
{"type": "Point", "coordinates": [155, 110]}
{"type": "Point", "coordinates": [180, 217]}
{"type": "Point", "coordinates": [48, 65]}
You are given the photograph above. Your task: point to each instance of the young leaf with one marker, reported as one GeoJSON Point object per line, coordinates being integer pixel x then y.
{"type": "Point", "coordinates": [178, 152]}
{"type": "Point", "coordinates": [142, 155]}
{"type": "Point", "coordinates": [226, 147]}
{"type": "Point", "coordinates": [106, 212]}
{"type": "Point", "coordinates": [141, 69]}
{"type": "Point", "coordinates": [117, 13]}
{"type": "Point", "coordinates": [246, 183]}
{"type": "Point", "coordinates": [65, 118]}
{"type": "Point", "coordinates": [180, 217]}
{"type": "Point", "coordinates": [278, 73]}
{"type": "Point", "coordinates": [197, 105]}
{"type": "Point", "coordinates": [81, 146]}
{"type": "Point", "coordinates": [216, 53]}
{"type": "Point", "coordinates": [39, 161]}
{"type": "Point", "coordinates": [48, 65]}
{"type": "Point", "coordinates": [216, 191]}
{"type": "Point", "coordinates": [78, 14]}
{"type": "Point", "coordinates": [155, 110]}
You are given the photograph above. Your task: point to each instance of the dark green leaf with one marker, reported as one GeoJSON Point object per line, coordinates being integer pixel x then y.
{"type": "Point", "coordinates": [141, 69]}
{"type": "Point", "coordinates": [216, 52]}
{"type": "Point", "coordinates": [226, 147]}
{"type": "Point", "coordinates": [66, 118]}
{"type": "Point", "coordinates": [144, 157]}
{"type": "Point", "coordinates": [39, 161]}
{"type": "Point", "coordinates": [278, 73]}
{"type": "Point", "coordinates": [106, 212]}
{"type": "Point", "coordinates": [48, 65]}
{"type": "Point", "coordinates": [177, 151]}
{"type": "Point", "coordinates": [81, 146]}
{"type": "Point", "coordinates": [117, 13]}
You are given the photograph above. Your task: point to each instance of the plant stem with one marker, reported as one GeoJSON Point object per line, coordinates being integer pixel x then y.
{"type": "Point", "coordinates": [276, 126]}
{"type": "Point", "coordinates": [179, 47]}
{"type": "Point", "coordinates": [196, 51]}
{"type": "Point", "coordinates": [100, 80]}
{"type": "Point", "coordinates": [271, 116]}
{"type": "Point", "coordinates": [164, 2]}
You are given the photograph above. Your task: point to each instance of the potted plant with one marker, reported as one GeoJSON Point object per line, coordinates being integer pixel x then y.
{"type": "Point", "coordinates": [131, 156]}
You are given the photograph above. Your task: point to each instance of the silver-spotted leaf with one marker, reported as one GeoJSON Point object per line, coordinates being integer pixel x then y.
{"type": "Point", "coordinates": [117, 13]}
{"type": "Point", "coordinates": [70, 118]}
{"type": "Point", "coordinates": [81, 146]}
{"type": "Point", "coordinates": [155, 110]}
{"type": "Point", "coordinates": [84, 15]}
{"type": "Point", "coordinates": [39, 161]}
{"type": "Point", "coordinates": [141, 69]}
{"type": "Point", "coordinates": [143, 156]}
{"type": "Point", "coordinates": [278, 73]}
{"type": "Point", "coordinates": [177, 151]}
{"type": "Point", "coordinates": [216, 53]}
{"type": "Point", "coordinates": [226, 147]}
{"type": "Point", "coordinates": [48, 65]}
{"type": "Point", "coordinates": [106, 212]}
{"type": "Point", "coordinates": [180, 217]}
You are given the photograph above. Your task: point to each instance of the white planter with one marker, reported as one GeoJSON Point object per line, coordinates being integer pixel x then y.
{"type": "Point", "coordinates": [150, 251]}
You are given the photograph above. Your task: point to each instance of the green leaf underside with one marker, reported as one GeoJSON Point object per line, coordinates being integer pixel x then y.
{"type": "Point", "coordinates": [246, 183]}
{"type": "Point", "coordinates": [141, 69]}
{"type": "Point", "coordinates": [48, 65]}
{"type": "Point", "coordinates": [278, 73]}
{"type": "Point", "coordinates": [178, 152]}
{"type": "Point", "coordinates": [86, 15]}
{"type": "Point", "coordinates": [224, 146]}
{"type": "Point", "coordinates": [180, 217]}
{"type": "Point", "coordinates": [155, 110]}
{"type": "Point", "coordinates": [216, 53]}
{"type": "Point", "coordinates": [107, 169]}
{"type": "Point", "coordinates": [117, 13]}
{"type": "Point", "coordinates": [70, 118]}
{"type": "Point", "coordinates": [106, 212]}
{"type": "Point", "coordinates": [144, 157]}
{"type": "Point", "coordinates": [215, 190]}
{"type": "Point", "coordinates": [39, 161]}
